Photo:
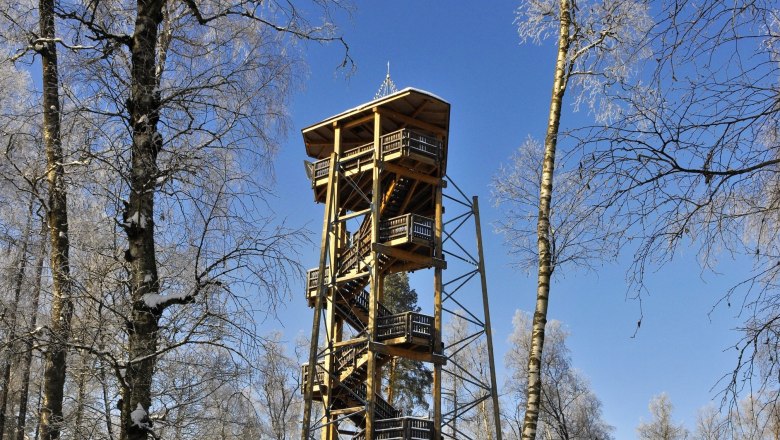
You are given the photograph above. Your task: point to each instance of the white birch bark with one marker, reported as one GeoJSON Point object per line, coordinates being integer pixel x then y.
{"type": "Point", "coordinates": [533, 401]}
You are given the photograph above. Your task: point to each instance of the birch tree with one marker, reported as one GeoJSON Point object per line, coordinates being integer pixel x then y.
{"type": "Point", "coordinates": [569, 408]}
{"type": "Point", "coordinates": [597, 45]}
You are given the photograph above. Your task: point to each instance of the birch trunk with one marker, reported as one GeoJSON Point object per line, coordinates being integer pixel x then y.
{"type": "Point", "coordinates": [533, 400]}
{"type": "Point", "coordinates": [143, 107]}
{"type": "Point", "coordinates": [26, 363]}
{"type": "Point", "coordinates": [5, 380]}
{"type": "Point", "coordinates": [61, 305]}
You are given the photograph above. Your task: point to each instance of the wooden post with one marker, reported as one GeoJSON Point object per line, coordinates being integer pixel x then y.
{"type": "Point", "coordinates": [373, 307]}
{"type": "Point", "coordinates": [321, 292]}
{"type": "Point", "coordinates": [437, 315]}
{"type": "Point", "coordinates": [488, 328]}
{"type": "Point", "coordinates": [329, 432]}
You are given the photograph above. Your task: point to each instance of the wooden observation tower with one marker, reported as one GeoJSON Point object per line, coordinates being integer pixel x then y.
{"type": "Point", "coordinates": [379, 170]}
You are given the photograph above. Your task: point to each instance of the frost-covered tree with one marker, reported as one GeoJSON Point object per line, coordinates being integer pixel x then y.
{"type": "Point", "coordinates": [598, 42]}
{"type": "Point", "coordinates": [187, 104]}
{"type": "Point", "coordinates": [569, 408]}
{"type": "Point", "coordinates": [279, 392]}
{"type": "Point", "coordinates": [661, 425]}
{"type": "Point", "coordinates": [693, 160]}
{"type": "Point", "coordinates": [710, 425]}
{"type": "Point", "coordinates": [174, 112]}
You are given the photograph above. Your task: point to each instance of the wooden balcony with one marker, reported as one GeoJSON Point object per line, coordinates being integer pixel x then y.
{"type": "Point", "coordinates": [413, 330]}
{"type": "Point", "coordinates": [405, 229]}
{"type": "Point", "coordinates": [319, 384]}
{"type": "Point", "coordinates": [401, 428]}
{"type": "Point", "coordinates": [416, 153]}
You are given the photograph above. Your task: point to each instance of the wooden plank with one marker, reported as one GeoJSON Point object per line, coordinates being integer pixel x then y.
{"type": "Point", "coordinates": [376, 284]}
{"type": "Point", "coordinates": [411, 121]}
{"type": "Point", "coordinates": [486, 308]}
{"type": "Point", "coordinates": [388, 350]}
{"type": "Point", "coordinates": [410, 256]}
{"type": "Point", "coordinates": [360, 121]}
{"type": "Point", "coordinates": [315, 331]}
{"type": "Point", "coordinates": [353, 410]}
{"type": "Point", "coordinates": [351, 276]}
{"type": "Point", "coordinates": [405, 172]}
{"type": "Point", "coordinates": [438, 288]}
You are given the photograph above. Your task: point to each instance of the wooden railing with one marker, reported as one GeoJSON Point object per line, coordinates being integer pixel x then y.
{"type": "Point", "coordinates": [403, 140]}
{"type": "Point", "coordinates": [305, 376]}
{"type": "Point", "coordinates": [405, 428]}
{"type": "Point", "coordinates": [407, 226]}
{"type": "Point", "coordinates": [410, 140]}
{"type": "Point", "coordinates": [407, 324]}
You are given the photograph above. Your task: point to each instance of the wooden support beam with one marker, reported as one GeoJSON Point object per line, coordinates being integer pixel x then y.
{"type": "Point", "coordinates": [360, 121]}
{"type": "Point", "coordinates": [411, 121]}
{"type": "Point", "coordinates": [433, 358]}
{"type": "Point", "coordinates": [351, 276]}
{"type": "Point", "coordinates": [376, 284]}
{"type": "Point", "coordinates": [406, 172]}
{"type": "Point", "coordinates": [486, 309]}
{"type": "Point", "coordinates": [438, 288]}
{"type": "Point", "coordinates": [351, 411]}
{"type": "Point", "coordinates": [318, 303]}
{"type": "Point", "coordinates": [409, 256]}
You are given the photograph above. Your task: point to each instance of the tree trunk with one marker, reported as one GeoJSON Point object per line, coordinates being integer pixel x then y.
{"type": "Point", "coordinates": [391, 381]}
{"type": "Point", "coordinates": [26, 364]}
{"type": "Point", "coordinates": [78, 425]}
{"type": "Point", "coordinates": [143, 107]}
{"type": "Point", "coordinates": [61, 305]}
{"type": "Point", "coordinates": [5, 372]}
{"type": "Point", "coordinates": [533, 401]}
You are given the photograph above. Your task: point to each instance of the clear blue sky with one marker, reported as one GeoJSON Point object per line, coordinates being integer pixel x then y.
{"type": "Point", "coordinates": [469, 54]}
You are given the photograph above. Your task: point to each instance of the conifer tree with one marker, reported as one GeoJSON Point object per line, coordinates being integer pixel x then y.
{"type": "Point", "coordinates": [408, 381]}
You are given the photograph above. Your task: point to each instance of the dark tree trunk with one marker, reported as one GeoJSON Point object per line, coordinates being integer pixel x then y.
{"type": "Point", "coordinates": [7, 360]}
{"type": "Point", "coordinates": [62, 305]}
{"type": "Point", "coordinates": [143, 107]}
{"type": "Point", "coordinates": [26, 363]}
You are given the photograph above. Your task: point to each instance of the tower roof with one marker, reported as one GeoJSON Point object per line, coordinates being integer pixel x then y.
{"type": "Point", "coordinates": [409, 107]}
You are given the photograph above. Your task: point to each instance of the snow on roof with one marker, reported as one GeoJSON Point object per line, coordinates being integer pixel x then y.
{"type": "Point", "coordinates": [374, 102]}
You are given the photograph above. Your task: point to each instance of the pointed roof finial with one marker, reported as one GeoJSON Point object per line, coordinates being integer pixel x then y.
{"type": "Point", "coordinates": [388, 86]}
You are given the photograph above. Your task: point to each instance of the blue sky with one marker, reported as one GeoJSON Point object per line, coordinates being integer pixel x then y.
{"type": "Point", "coordinates": [470, 55]}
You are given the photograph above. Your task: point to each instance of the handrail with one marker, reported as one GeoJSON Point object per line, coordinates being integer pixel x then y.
{"type": "Point", "coordinates": [405, 324]}
{"type": "Point", "coordinates": [399, 140]}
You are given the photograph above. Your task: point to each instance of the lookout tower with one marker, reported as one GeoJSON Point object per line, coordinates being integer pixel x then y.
{"type": "Point", "coordinates": [379, 170]}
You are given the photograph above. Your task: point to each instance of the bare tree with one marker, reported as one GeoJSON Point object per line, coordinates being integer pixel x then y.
{"type": "Point", "coordinates": [693, 161]}
{"type": "Point", "coordinates": [569, 408]}
{"type": "Point", "coordinates": [199, 89]}
{"type": "Point", "coordinates": [710, 425]}
{"type": "Point", "coordinates": [597, 44]}
{"type": "Point", "coordinates": [279, 385]}
{"type": "Point", "coordinates": [661, 426]}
